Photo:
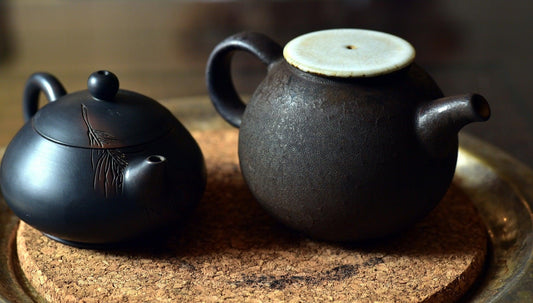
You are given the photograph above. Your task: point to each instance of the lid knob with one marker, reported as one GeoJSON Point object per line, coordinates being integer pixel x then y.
{"type": "Point", "coordinates": [103, 85]}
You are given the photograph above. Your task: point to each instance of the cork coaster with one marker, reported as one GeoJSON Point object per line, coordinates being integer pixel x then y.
{"type": "Point", "coordinates": [231, 250]}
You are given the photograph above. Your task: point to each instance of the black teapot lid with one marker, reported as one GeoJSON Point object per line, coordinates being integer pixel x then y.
{"type": "Point", "coordinates": [103, 116]}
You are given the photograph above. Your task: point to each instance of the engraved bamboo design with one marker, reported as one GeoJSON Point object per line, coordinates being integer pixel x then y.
{"type": "Point", "coordinates": [108, 164]}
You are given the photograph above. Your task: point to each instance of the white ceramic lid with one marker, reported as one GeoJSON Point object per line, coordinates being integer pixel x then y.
{"type": "Point", "coordinates": [349, 53]}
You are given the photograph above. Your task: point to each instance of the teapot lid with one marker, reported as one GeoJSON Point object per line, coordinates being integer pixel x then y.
{"type": "Point", "coordinates": [349, 53]}
{"type": "Point", "coordinates": [103, 116]}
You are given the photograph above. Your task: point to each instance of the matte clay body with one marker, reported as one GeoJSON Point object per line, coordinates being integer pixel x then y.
{"type": "Point", "coordinates": [343, 158]}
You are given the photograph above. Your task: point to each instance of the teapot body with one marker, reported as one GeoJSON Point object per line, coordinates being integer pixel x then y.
{"type": "Point", "coordinates": [340, 160]}
{"type": "Point", "coordinates": [91, 187]}
{"type": "Point", "coordinates": [76, 195]}
{"type": "Point", "coordinates": [346, 138]}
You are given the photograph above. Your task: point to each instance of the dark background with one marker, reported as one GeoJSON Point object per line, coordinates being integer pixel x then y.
{"type": "Point", "coordinates": [159, 48]}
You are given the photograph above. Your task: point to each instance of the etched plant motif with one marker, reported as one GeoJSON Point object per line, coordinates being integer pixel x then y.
{"type": "Point", "coordinates": [108, 164]}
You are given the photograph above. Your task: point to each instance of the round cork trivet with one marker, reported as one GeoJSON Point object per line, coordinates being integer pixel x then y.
{"type": "Point", "coordinates": [231, 250]}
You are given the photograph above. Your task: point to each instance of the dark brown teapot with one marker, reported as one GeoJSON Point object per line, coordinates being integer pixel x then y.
{"type": "Point", "coordinates": [99, 166]}
{"type": "Point", "coordinates": [346, 138]}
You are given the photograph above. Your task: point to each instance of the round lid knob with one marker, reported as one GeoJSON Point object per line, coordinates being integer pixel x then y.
{"type": "Point", "coordinates": [349, 53]}
{"type": "Point", "coordinates": [103, 85]}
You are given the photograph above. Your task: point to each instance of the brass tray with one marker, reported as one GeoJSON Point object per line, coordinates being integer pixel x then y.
{"type": "Point", "coordinates": [500, 187]}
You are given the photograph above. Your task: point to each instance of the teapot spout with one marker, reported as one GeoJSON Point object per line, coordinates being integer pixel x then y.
{"type": "Point", "coordinates": [439, 121]}
{"type": "Point", "coordinates": [145, 179]}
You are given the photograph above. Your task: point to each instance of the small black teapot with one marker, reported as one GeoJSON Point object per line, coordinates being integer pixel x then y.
{"type": "Point", "coordinates": [346, 138]}
{"type": "Point", "coordinates": [99, 166]}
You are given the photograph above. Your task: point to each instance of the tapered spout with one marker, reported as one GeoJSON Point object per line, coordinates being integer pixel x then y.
{"type": "Point", "coordinates": [439, 121]}
{"type": "Point", "coordinates": [145, 179]}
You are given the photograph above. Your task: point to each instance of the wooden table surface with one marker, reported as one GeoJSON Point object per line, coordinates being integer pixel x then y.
{"type": "Point", "coordinates": [159, 48]}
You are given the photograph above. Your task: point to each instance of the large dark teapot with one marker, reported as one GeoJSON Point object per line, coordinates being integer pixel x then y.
{"type": "Point", "coordinates": [99, 166]}
{"type": "Point", "coordinates": [346, 138]}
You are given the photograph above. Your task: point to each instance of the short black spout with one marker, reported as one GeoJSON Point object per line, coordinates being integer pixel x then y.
{"type": "Point", "coordinates": [145, 180]}
{"type": "Point", "coordinates": [439, 121]}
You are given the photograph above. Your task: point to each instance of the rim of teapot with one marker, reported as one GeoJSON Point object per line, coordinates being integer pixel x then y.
{"type": "Point", "coordinates": [349, 53]}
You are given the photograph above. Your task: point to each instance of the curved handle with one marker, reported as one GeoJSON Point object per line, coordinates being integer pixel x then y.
{"type": "Point", "coordinates": [48, 84]}
{"type": "Point", "coordinates": [218, 74]}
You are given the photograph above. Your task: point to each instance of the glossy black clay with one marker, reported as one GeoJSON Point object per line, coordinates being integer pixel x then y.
{"type": "Point", "coordinates": [342, 159]}
{"type": "Point", "coordinates": [100, 166]}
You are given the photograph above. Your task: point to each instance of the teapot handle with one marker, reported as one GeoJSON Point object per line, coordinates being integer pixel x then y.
{"type": "Point", "coordinates": [218, 72]}
{"type": "Point", "coordinates": [37, 82]}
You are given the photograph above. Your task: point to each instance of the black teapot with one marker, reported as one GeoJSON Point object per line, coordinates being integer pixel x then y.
{"type": "Point", "coordinates": [346, 138]}
{"type": "Point", "coordinates": [99, 166]}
